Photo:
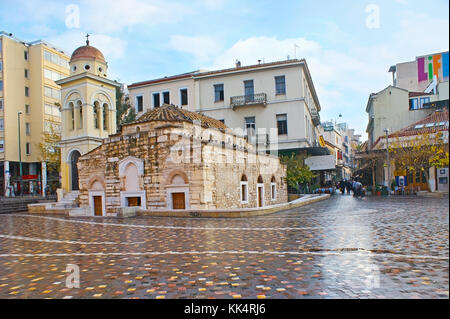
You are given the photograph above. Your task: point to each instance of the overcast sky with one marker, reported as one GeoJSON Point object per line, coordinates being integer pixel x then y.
{"type": "Point", "coordinates": [348, 50]}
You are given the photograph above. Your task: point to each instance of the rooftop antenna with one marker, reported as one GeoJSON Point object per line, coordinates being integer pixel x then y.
{"type": "Point", "coordinates": [295, 50]}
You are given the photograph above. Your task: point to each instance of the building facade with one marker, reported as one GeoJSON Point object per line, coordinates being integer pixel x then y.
{"type": "Point", "coordinates": [250, 99]}
{"type": "Point", "coordinates": [174, 159]}
{"type": "Point", "coordinates": [420, 90]}
{"type": "Point", "coordinates": [29, 97]}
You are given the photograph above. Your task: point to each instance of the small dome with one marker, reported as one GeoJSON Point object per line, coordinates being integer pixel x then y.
{"type": "Point", "coordinates": [87, 52]}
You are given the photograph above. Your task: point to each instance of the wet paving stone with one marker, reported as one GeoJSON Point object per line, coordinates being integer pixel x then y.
{"type": "Point", "coordinates": [344, 247]}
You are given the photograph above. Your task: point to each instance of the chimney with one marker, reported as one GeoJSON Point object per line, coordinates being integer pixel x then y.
{"type": "Point", "coordinates": [238, 63]}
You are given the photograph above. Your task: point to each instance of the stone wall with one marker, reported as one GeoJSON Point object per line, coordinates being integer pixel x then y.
{"type": "Point", "coordinates": [212, 168]}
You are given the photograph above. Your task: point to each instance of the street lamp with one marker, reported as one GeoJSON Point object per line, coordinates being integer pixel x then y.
{"type": "Point", "coordinates": [20, 153]}
{"type": "Point", "coordinates": [387, 158]}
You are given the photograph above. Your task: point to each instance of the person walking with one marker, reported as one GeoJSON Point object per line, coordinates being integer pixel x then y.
{"type": "Point", "coordinates": [348, 186]}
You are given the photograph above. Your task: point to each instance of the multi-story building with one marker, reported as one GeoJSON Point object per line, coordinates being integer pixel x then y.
{"type": "Point", "coordinates": [420, 88]}
{"type": "Point", "coordinates": [341, 142]}
{"type": "Point", "coordinates": [251, 99]}
{"type": "Point", "coordinates": [29, 97]}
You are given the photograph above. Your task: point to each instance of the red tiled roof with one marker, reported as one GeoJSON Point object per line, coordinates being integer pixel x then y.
{"type": "Point", "coordinates": [164, 79]}
{"type": "Point", "coordinates": [207, 73]}
{"type": "Point", "coordinates": [87, 52]}
{"type": "Point", "coordinates": [413, 94]}
{"type": "Point", "coordinates": [247, 67]}
{"type": "Point", "coordinates": [171, 113]}
{"type": "Point", "coordinates": [411, 130]}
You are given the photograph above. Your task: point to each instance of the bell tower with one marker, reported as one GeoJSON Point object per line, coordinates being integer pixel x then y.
{"type": "Point", "coordinates": [88, 110]}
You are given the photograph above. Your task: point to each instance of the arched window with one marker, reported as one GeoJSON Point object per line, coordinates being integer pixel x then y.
{"type": "Point", "coordinates": [96, 111]}
{"type": "Point", "coordinates": [72, 115]}
{"type": "Point", "coordinates": [260, 179]}
{"type": "Point", "coordinates": [244, 189]}
{"type": "Point", "coordinates": [105, 116]}
{"type": "Point", "coordinates": [131, 178]}
{"type": "Point", "coordinates": [273, 188]}
{"type": "Point", "coordinates": [80, 111]}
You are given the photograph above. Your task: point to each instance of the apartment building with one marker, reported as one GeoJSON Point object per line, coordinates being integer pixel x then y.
{"type": "Point", "coordinates": [28, 97]}
{"type": "Point", "coordinates": [341, 142]}
{"type": "Point", "coordinates": [250, 99]}
{"type": "Point", "coordinates": [419, 91]}
{"type": "Point", "coordinates": [419, 88]}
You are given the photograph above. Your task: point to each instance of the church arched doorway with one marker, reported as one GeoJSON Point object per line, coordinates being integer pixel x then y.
{"type": "Point", "coordinates": [74, 170]}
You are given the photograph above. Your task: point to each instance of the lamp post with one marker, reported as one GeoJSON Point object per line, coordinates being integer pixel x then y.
{"type": "Point", "coordinates": [387, 159]}
{"type": "Point", "coordinates": [20, 153]}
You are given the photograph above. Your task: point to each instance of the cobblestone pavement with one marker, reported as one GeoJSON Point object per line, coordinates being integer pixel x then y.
{"type": "Point", "coordinates": [340, 248]}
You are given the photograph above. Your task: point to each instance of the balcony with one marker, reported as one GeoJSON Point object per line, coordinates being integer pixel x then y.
{"type": "Point", "coordinates": [244, 100]}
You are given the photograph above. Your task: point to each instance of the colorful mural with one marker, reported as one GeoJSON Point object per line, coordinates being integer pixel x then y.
{"type": "Point", "coordinates": [428, 66]}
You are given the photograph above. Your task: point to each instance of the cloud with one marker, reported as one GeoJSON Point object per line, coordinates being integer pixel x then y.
{"type": "Point", "coordinates": [105, 16]}
{"type": "Point", "coordinates": [201, 47]}
{"type": "Point", "coordinates": [113, 48]}
{"type": "Point", "coordinates": [269, 49]}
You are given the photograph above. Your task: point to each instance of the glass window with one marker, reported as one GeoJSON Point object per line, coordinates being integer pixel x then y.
{"type": "Point", "coordinates": [2, 144]}
{"type": "Point", "coordinates": [413, 104]}
{"type": "Point", "coordinates": [28, 148]}
{"type": "Point", "coordinates": [27, 128]}
{"type": "Point", "coordinates": [218, 92]}
{"type": "Point", "coordinates": [166, 98]}
{"type": "Point", "coordinates": [2, 127]}
{"type": "Point", "coordinates": [250, 125]}
{"type": "Point", "coordinates": [47, 56]}
{"type": "Point", "coordinates": [1, 66]}
{"type": "Point", "coordinates": [1, 85]}
{"type": "Point", "coordinates": [184, 96]}
{"type": "Point", "coordinates": [26, 73]}
{"type": "Point", "coordinates": [280, 85]}
{"type": "Point", "coordinates": [139, 103]}
{"type": "Point", "coordinates": [1, 104]}
{"type": "Point", "coordinates": [27, 91]}
{"type": "Point", "coordinates": [25, 55]}
{"type": "Point", "coordinates": [423, 100]}
{"type": "Point", "coordinates": [282, 124]}
{"type": "Point", "coordinates": [249, 91]}
{"type": "Point", "coordinates": [156, 101]}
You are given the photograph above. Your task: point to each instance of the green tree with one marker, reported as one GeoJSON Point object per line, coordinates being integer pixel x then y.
{"type": "Point", "coordinates": [125, 113]}
{"type": "Point", "coordinates": [420, 152]}
{"type": "Point", "coordinates": [50, 152]}
{"type": "Point", "coordinates": [297, 173]}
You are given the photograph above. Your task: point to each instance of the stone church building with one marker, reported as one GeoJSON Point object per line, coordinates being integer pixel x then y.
{"type": "Point", "coordinates": [171, 158]}
{"type": "Point", "coordinates": [168, 159]}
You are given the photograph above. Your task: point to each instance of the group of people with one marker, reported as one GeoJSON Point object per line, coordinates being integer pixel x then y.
{"type": "Point", "coordinates": [351, 185]}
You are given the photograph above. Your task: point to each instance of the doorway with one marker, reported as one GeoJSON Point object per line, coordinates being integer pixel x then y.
{"type": "Point", "coordinates": [74, 170]}
{"type": "Point", "coordinates": [260, 196]}
{"type": "Point", "coordinates": [98, 209]}
{"type": "Point", "coordinates": [178, 201]}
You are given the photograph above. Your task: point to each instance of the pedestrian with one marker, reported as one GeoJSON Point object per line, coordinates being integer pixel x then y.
{"type": "Point", "coordinates": [348, 186]}
{"type": "Point", "coordinates": [358, 189]}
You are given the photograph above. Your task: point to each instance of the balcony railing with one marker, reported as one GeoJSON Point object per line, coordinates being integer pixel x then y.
{"type": "Point", "coordinates": [243, 100]}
